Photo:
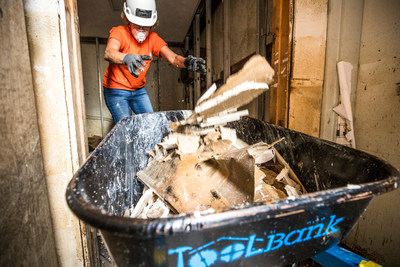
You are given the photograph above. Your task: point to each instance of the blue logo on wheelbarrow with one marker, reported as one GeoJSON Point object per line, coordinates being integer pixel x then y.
{"type": "Point", "coordinates": [237, 247]}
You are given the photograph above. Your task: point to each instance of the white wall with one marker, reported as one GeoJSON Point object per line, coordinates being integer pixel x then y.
{"type": "Point", "coordinates": [377, 124]}
{"type": "Point", "coordinates": [92, 93]}
{"type": "Point", "coordinates": [308, 62]}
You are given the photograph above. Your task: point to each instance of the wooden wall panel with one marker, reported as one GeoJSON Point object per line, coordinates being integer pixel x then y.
{"type": "Point", "coordinates": [279, 91]}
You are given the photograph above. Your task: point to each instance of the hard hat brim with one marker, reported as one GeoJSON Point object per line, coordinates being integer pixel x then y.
{"type": "Point", "coordinates": [142, 21]}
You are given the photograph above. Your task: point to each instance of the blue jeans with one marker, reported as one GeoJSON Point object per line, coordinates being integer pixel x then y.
{"type": "Point", "coordinates": [119, 101]}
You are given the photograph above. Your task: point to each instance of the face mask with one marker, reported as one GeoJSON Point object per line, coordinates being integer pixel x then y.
{"type": "Point", "coordinates": [140, 35]}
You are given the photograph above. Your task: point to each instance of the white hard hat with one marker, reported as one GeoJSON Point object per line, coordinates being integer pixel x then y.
{"type": "Point", "coordinates": [141, 12]}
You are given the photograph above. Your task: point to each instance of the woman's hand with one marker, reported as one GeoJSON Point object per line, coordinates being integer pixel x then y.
{"type": "Point", "coordinates": [135, 63]}
{"type": "Point", "coordinates": [196, 64]}
{"type": "Point", "coordinates": [191, 63]}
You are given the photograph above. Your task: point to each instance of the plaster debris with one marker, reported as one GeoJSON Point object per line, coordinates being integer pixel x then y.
{"type": "Point", "coordinates": [202, 165]}
{"type": "Point", "coordinates": [212, 173]}
{"type": "Point", "coordinates": [149, 206]}
{"type": "Point", "coordinates": [219, 106]}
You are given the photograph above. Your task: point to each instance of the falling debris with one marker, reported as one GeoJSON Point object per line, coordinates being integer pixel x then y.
{"type": "Point", "coordinates": [202, 165]}
{"type": "Point", "coordinates": [218, 107]}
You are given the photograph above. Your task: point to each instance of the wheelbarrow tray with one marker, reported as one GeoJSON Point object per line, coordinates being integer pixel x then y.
{"type": "Point", "coordinates": [341, 182]}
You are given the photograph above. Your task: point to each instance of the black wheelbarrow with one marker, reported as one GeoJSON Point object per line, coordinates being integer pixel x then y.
{"type": "Point", "coordinates": [341, 182]}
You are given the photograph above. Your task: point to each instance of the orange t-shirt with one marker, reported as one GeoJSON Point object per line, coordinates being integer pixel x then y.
{"type": "Point", "coordinates": [118, 76]}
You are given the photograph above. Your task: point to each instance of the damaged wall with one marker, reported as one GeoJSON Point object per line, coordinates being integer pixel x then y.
{"type": "Point", "coordinates": [243, 29]}
{"type": "Point", "coordinates": [308, 59]}
{"type": "Point", "coordinates": [27, 237]}
{"type": "Point", "coordinates": [377, 124]}
{"type": "Point", "coordinates": [243, 33]}
{"type": "Point", "coordinates": [243, 38]}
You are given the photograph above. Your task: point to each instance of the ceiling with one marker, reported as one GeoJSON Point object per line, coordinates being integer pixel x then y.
{"type": "Point", "coordinates": [97, 17]}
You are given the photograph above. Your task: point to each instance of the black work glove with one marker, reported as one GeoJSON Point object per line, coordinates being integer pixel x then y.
{"type": "Point", "coordinates": [196, 64]}
{"type": "Point", "coordinates": [135, 62]}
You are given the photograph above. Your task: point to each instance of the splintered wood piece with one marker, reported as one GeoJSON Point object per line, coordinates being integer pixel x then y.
{"type": "Point", "coordinates": [266, 192]}
{"type": "Point", "coordinates": [283, 177]}
{"type": "Point", "coordinates": [240, 88]}
{"type": "Point", "coordinates": [208, 93]}
{"type": "Point", "coordinates": [259, 175]}
{"type": "Point", "coordinates": [190, 185]}
{"type": "Point", "coordinates": [292, 175]}
{"type": "Point", "coordinates": [224, 119]}
{"type": "Point", "coordinates": [291, 191]}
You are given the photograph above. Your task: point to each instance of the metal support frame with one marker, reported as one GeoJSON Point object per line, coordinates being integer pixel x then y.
{"type": "Point", "coordinates": [158, 85]}
{"type": "Point", "coordinates": [188, 87]}
{"type": "Point", "coordinates": [209, 43]}
{"type": "Point", "coordinates": [261, 25]}
{"type": "Point", "coordinates": [227, 40]}
{"type": "Point", "coordinates": [100, 84]}
{"type": "Point", "coordinates": [196, 31]}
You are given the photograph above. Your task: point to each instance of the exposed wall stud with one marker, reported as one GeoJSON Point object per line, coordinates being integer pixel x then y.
{"type": "Point", "coordinates": [227, 40]}
{"type": "Point", "coordinates": [209, 43]}
{"type": "Point", "coordinates": [100, 84]}
{"type": "Point", "coordinates": [279, 91]}
{"type": "Point", "coordinates": [261, 49]}
{"type": "Point", "coordinates": [197, 54]}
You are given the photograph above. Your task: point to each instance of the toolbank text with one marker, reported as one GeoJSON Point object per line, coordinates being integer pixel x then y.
{"type": "Point", "coordinates": [234, 248]}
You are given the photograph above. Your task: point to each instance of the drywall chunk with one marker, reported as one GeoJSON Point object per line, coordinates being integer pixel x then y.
{"type": "Point", "coordinates": [187, 143]}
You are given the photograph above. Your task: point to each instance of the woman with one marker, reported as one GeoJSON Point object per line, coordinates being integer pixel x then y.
{"type": "Point", "coordinates": [129, 50]}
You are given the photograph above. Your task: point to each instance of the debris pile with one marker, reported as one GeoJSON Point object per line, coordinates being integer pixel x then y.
{"type": "Point", "coordinates": [202, 165]}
